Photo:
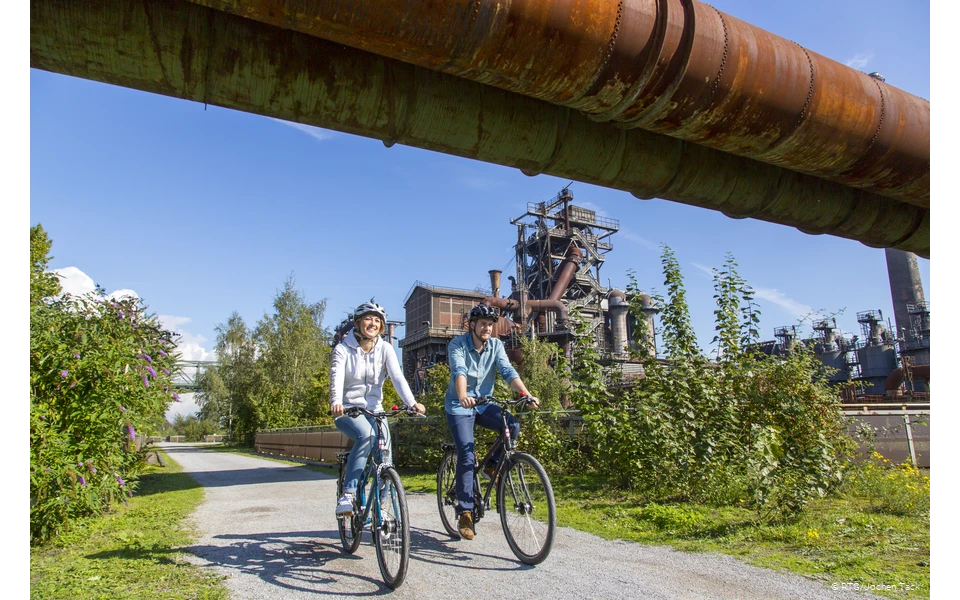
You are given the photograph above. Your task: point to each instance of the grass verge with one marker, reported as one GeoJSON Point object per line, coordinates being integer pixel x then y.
{"type": "Point", "coordinates": [843, 542]}
{"type": "Point", "coordinates": [131, 552]}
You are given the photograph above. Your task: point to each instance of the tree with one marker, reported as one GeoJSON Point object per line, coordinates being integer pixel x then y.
{"type": "Point", "coordinates": [42, 284]}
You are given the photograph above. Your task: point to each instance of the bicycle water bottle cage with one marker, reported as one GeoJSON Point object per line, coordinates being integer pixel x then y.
{"type": "Point", "coordinates": [342, 456]}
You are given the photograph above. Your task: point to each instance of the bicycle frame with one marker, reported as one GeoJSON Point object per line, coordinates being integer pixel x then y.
{"type": "Point", "coordinates": [509, 445]}
{"type": "Point", "coordinates": [371, 469]}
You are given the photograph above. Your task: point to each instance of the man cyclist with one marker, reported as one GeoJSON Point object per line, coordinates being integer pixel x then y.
{"type": "Point", "coordinates": [474, 359]}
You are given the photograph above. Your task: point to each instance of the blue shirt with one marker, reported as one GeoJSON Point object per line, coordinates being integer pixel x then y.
{"type": "Point", "coordinates": [478, 367]}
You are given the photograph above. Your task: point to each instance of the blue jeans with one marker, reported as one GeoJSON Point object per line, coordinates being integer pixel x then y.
{"type": "Point", "coordinates": [363, 431]}
{"type": "Point", "coordinates": [461, 427]}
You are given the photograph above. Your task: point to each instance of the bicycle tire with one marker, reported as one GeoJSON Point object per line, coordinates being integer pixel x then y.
{"type": "Point", "coordinates": [350, 528]}
{"type": "Point", "coordinates": [528, 512]}
{"type": "Point", "coordinates": [391, 529]}
{"type": "Point", "coordinates": [447, 494]}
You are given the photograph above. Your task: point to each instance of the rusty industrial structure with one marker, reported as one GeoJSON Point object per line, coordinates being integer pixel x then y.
{"type": "Point", "coordinates": [887, 364]}
{"type": "Point", "coordinates": [559, 252]}
{"type": "Point", "coordinates": [667, 99]}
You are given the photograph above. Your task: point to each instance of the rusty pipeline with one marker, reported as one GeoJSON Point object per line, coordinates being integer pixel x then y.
{"type": "Point", "coordinates": [185, 50]}
{"type": "Point", "coordinates": [677, 67]}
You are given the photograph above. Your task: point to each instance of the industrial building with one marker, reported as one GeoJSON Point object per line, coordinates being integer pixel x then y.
{"type": "Point", "coordinates": [885, 365]}
{"type": "Point", "coordinates": [560, 251]}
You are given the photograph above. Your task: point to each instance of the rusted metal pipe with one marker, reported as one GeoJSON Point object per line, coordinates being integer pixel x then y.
{"type": "Point", "coordinates": [183, 50]}
{"type": "Point", "coordinates": [678, 67]}
{"type": "Point", "coordinates": [895, 378]}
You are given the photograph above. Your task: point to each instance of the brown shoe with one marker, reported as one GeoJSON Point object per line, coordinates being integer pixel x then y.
{"type": "Point", "coordinates": [488, 471]}
{"type": "Point", "coordinates": [466, 525]}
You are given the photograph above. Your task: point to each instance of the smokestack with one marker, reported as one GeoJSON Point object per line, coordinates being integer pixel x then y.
{"type": "Point", "coordinates": [495, 283]}
{"type": "Point", "coordinates": [391, 328]}
{"type": "Point", "coordinates": [905, 285]}
{"type": "Point", "coordinates": [618, 320]}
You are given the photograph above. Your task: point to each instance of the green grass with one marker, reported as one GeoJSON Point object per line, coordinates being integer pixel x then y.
{"type": "Point", "coordinates": [131, 552]}
{"type": "Point", "coordinates": [837, 540]}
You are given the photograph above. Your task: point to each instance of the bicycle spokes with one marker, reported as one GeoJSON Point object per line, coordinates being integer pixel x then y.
{"type": "Point", "coordinates": [527, 510]}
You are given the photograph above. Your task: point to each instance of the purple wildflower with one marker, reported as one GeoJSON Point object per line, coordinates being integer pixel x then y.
{"type": "Point", "coordinates": [162, 353]}
{"type": "Point", "coordinates": [82, 480]}
{"type": "Point", "coordinates": [73, 383]}
{"type": "Point", "coordinates": [176, 398]}
{"type": "Point", "coordinates": [120, 481]}
{"type": "Point", "coordinates": [93, 469]}
{"type": "Point", "coordinates": [164, 370]}
{"type": "Point", "coordinates": [79, 464]}
{"type": "Point", "coordinates": [47, 469]}
{"type": "Point", "coordinates": [64, 373]}
{"type": "Point", "coordinates": [145, 382]}
{"type": "Point", "coordinates": [121, 313]}
{"type": "Point", "coordinates": [77, 355]}
{"type": "Point", "coordinates": [152, 372]}
{"type": "Point", "coordinates": [125, 503]}
{"type": "Point", "coordinates": [129, 493]}
{"type": "Point", "coordinates": [133, 434]}
{"type": "Point", "coordinates": [146, 357]}
{"type": "Point", "coordinates": [43, 417]}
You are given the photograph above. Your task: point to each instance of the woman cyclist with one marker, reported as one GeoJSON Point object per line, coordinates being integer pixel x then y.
{"type": "Point", "coordinates": [360, 363]}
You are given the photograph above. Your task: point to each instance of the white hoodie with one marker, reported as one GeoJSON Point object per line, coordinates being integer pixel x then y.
{"type": "Point", "coordinates": [356, 377]}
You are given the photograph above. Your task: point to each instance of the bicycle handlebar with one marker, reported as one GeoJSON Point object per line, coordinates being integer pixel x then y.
{"type": "Point", "coordinates": [356, 411]}
{"type": "Point", "coordinates": [481, 400]}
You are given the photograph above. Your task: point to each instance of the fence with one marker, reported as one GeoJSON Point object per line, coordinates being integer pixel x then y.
{"type": "Point", "coordinates": [902, 431]}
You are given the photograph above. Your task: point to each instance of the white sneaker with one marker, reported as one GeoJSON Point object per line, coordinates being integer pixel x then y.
{"type": "Point", "coordinates": [345, 505]}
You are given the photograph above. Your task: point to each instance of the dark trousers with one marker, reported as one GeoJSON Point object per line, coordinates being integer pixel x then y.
{"type": "Point", "coordinates": [461, 428]}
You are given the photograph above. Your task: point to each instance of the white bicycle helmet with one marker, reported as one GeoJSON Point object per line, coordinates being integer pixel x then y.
{"type": "Point", "coordinates": [370, 308]}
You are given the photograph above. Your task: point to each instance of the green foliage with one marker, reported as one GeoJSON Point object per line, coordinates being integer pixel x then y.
{"type": "Point", "coordinates": [276, 375]}
{"type": "Point", "coordinates": [543, 433]}
{"type": "Point", "coordinates": [745, 426]}
{"type": "Point", "coordinates": [193, 429]}
{"type": "Point", "coordinates": [100, 371]}
{"type": "Point", "coordinates": [901, 490]}
{"type": "Point", "coordinates": [42, 285]}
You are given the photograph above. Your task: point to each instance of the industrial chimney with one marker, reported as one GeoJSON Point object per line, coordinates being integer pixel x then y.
{"type": "Point", "coordinates": [905, 286]}
{"type": "Point", "coordinates": [495, 282]}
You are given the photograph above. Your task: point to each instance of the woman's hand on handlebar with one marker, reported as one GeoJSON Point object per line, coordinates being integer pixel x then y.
{"type": "Point", "coordinates": [531, 401]}
{"type": "Point", "coordinates": [421, 409]}
{"type": "Point", "coordinates": [468, 402]}
{"type": "Point", "coordinates": [336, 410]}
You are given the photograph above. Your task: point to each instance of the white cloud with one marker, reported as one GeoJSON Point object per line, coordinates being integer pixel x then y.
{"type": "Point", "coordinates": [797, 309]}
{"type": "Point", "coordinates": [639, 239]}
{"type": "Point", "coordinates": [121, 293]}
{"type": "Point", "coordinates": [314, 132]}
{"type": "Point", "coordinates": [707, 270]}
{"type": "Point", "coordinates": [74, 281]}
{"type": "Point", "coordinates": [190, 345]}
{"type": "Point", "coordinates": [860, 61]}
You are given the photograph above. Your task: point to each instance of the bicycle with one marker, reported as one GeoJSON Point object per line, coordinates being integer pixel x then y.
{"type": "Point", "coordinates": [525, 499]}
{"type": "Point", "coordinates": [386, 511]}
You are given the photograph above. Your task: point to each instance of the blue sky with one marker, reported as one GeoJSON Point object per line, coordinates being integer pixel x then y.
{"type": "Point", "coordinates": [205, 211]}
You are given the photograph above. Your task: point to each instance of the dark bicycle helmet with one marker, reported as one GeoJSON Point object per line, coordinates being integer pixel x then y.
{"type": "Point", "coordinates": [370, 308]}
{"type": "Point", "coordinates": [482, 311]}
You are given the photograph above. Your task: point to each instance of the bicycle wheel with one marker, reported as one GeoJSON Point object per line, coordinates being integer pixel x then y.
{"type": "Point", "coordinates": [351, 529]}
{"type": "Point", "coordinates": [447, 494]}
{"type": "Point", "coordinates": [527, 509]}
{"type": "Point", "coordinates": [391, 529]}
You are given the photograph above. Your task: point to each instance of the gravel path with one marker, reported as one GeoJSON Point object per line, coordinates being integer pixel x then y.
{"type": "Point", "coordinates": [270, 528]}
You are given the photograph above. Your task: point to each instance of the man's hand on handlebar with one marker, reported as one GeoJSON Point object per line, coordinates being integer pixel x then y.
{"type": "Point", "coordinates": [531, 401]}
{"type": "Point", "coordinates": [468, 402]}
